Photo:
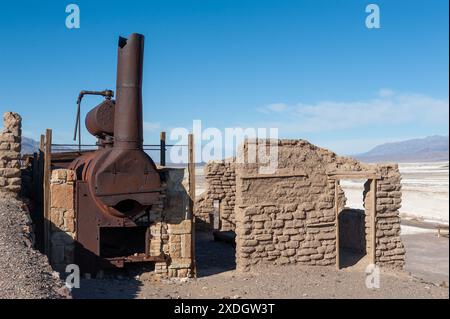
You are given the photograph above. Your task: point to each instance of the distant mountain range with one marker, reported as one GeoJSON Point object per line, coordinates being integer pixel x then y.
{"type": "Point", "coordinates": [428, 149]}
{"type": "Point", "coordinates": [29, 146]}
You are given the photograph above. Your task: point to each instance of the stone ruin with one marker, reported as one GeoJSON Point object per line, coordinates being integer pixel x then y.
{"type": "Point", "coordinates": [295, 215]}
{"type": "Point", "coordinates": [220, 178]}
{"type": "Point", "coordinates": [10, 146]}
{"type": "Point", "coordinates": [290, 216]}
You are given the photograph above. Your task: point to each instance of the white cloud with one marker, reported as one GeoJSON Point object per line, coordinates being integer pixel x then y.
{"type": "Point", "coordinates": [152, 126]}
{"type": "Point", "coordinates": [277, 107]}
{"type": "Point", "coordinates": [389, 108]}
{"type": "Point", "coordinates": [386, 93]}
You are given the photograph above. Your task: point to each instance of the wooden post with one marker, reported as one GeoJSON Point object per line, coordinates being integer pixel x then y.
{"type": "Point", "coordinates": [336, 207]}
{"type": "Point", "coordinates": [373, 189]}
{"type": "Point", "coordinates": [216, 215]}
{"type": "Point", "coordinates": [191, 170]}
{"type": "Point", "coordinates": [41, 173]}
{"type": "Point", "coordinates": [162, 156]}
{"type": "Point", "coordinates": [40, 232]}
{"type": "Point", "coordinates": [34, 177]}
{"type": "Point", "coordinates": [46, 188]}
{"type": "Point", "coordinates": [42, 142]}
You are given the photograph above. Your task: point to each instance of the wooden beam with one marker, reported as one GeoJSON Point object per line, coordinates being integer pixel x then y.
{"type": "Point", "coordinates": [373, 190]}
{"type": "Point", "coordinates": [350, 172]}
{"type": "Point", "coordinates": [46, 189]}
{"type": "Point", "coordinates": [162, 156]}
{"type": "Point", "coordinates": [191, 170]}
{"type": "Point", "coordinates": [261, 176]}
{"type": "Point", "coordinates": [336, 207]}
{"type": "Point", "coordinates": [353, 175]}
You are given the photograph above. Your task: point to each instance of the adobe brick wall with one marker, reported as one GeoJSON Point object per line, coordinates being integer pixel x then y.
{"type": "Point", "coordinates": [389, 249]}
{"type": "Point", "coordinates": [10, 146]}
{"type": "Point", "coordinates": [220, 185]}
{"type": "Point", "coordinates": [289, 217]}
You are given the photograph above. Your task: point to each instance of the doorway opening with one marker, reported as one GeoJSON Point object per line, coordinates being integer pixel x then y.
{"type": "Point", "coordinates": [355, 222]}
{"type": "Point", "coordinates": [352, 237]}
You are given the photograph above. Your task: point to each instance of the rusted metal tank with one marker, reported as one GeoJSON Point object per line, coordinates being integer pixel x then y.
{"type": "Point", "coordinates": [118, 184]}
{"type": "Point", "coordinates": [100, 120]}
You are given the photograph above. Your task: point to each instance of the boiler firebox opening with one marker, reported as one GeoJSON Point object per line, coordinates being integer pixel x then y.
{"type": "Point", "coordinates": [123, 241]}
{"type": "Point", "coordinates": [128, 207]}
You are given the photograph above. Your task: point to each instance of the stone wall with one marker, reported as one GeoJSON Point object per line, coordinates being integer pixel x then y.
{"type": "Point", "coordinates": [10, 139]}
{"type": "Point", "coordinates": [290, 217]}
{"type": "Point", "coordinates": [62, 218]}
{"type": "Point", "coordinates": [171, 227]}
{"type": "Point", "coordinates": [389, 248]}
{"type": "Point", "coordinates": [172, 230]}
{"type": "Point", "coordinates": [220, 187]}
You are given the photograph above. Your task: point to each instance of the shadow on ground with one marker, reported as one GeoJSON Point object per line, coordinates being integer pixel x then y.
{"type": "Point", "coordinates": [350, 258]}
{"type": "Point", "coordinates": [113, 284]}
{"type": "Point", "coordinates": [213, 257]}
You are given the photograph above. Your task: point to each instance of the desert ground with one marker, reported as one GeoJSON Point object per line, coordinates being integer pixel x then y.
{"type": "Point", "coordinates": [426, 273]}
{"type": "Point", "coordinates": [217, 278]}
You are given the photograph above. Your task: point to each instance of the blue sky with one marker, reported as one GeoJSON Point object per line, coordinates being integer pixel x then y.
{"type": "Point", "coordinates": [310, 68]}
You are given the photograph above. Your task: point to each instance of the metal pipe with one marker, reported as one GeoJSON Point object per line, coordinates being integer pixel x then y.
{"type": "Point", "coordinates": [128, 131]}
{"type": "Point", "coordinates": [108, 94]}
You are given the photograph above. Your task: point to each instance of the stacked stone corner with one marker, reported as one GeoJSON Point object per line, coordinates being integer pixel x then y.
{"type": "Point", "coordinates": [10, 147]}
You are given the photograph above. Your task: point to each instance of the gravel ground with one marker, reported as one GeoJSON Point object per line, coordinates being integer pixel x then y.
{"type": "Point", "coordinates": [218, 279]}
{"type": "Point", "coordinates": [24, 272]}
{"type": "Point", "coordinates": [427, 257]}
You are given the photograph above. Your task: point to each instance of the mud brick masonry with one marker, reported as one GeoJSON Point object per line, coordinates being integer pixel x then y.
{"type": "Point", "coordinates": [10, 139]}
{"type": "Point", "coordinates": [291, 216]}
{"type": "Point", "coordinates": [171, 227]}
{"type": "Point", "coordinates": [220, 180]}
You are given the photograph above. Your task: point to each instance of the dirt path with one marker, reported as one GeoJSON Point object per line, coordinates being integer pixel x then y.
{"type": "Point", "coordinates": [218, 279]}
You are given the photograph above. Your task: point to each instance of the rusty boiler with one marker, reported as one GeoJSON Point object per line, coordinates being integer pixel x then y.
{"type": "Point", "coordinates": [118, 184]}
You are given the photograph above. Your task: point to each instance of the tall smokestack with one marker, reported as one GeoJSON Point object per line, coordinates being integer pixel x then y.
{"type": "Point", "coordinates": [128, 132]}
